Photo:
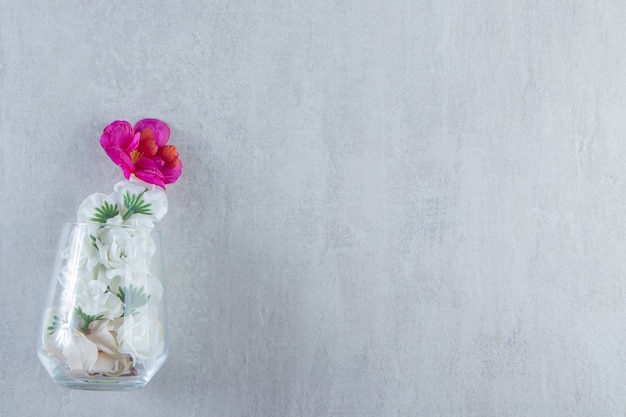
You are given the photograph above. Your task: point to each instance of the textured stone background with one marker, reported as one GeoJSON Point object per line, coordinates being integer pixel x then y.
{"type": "Point", "coordinates": [388, 208]}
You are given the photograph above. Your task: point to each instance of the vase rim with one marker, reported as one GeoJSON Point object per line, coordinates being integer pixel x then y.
{"type": "Point", "coordinates": [156, 228]}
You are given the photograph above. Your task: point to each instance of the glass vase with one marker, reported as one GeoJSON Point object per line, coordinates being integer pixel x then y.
{"type": "Point", "coordinates": [104, 324]}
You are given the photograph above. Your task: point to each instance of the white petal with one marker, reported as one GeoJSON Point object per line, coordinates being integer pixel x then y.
{"type": "Point", "coordinates": [80, 354]}
{"type": "Point", "coordinates": [87, 208]}
{"type": "Point", "coordinates": [71, 276]}
{"type": "Point", "coordinates": [112, 365]}
{"type": "Point", "coordinates": [115, 221]}
{"type": "Point", "coordinates": [113, 306]}
{"type": "Point", "coordinates": [158, 203]}
{"type": "Point", "coordinates": [101, 336]}
{"type": "Point", "coordinates": [123, 186]}
{"type": "Point", "coordinates": [140, 220]}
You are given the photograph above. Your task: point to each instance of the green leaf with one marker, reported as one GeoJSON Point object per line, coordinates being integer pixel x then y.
{"type": "Point", "coordinates": [135, 204]}
{"type": "Point", "coordinates": [87, 319]}
{"type": "Point", "coordinates": [56, 323]}
{"type": "Point", "coordinates": [133, 298]}
{"type": "Point", "coordinates": [104, 212]}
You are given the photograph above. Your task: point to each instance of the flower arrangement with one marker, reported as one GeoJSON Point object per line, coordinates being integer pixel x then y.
{"type": "Point", "coordinates": [107, 319]}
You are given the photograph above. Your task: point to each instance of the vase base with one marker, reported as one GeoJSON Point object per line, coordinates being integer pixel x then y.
{"type": "Point", "coordinates": [101, 384]}
{"type": "Point", "coordinates": [61, 377]}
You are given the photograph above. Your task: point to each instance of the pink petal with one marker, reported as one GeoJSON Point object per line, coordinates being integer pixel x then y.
{"type": "Point", "coordinates": [119, 134]}
{"type": "Point", "coordinates": [168, 163]}
{"type": "Point", "coordinates": [171, 174]}
{"type": "Point", "coordinates": [146, 170]}
{"type": "Point", "coordinates": [160, 129]}
{"type": "Point", "coordinates": [121, 159]}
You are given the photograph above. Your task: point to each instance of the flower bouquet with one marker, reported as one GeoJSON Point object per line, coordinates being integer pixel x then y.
{"type": "Point", "coordinates": [104, 324]}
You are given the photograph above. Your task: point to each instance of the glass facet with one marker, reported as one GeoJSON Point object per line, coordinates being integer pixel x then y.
{"type": "Point", "coordinates": [104, 324]}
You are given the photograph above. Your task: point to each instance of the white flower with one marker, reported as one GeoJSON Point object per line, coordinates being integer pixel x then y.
{"type": "Point", "coordinates": [112, 365]}
{"type": "Point", "coordinates": [94, 300]}
{"type": "Point", "coordinates": [81, 259]}
{"type": "Point", "coordinates": [146, 282]}
{"type": "Point", "coordinates": [124, 249]}
{"type": "Point", "coordinates": [87, 209]}
{"type": "Point", "coordinates": [91, 353]}
{"type": "Point", "coordinates": [101, 208]}
{"type": "Point", "coordinates": [141, 337]}
{"type": "Point", "coordinates": [155, 196]}
{"type": "Point", "coordinates": [79, 352]}
{"type": "Point", "coordinates": [72, 276]}
{"type": "Point", "coordinates": [80, 251]}
{"type": "Point", "coordinates": [110, 362]}
{"type": "Point", "coordinates": [52, 335]}
{"type": "Point", "coordinates": [151, 194]}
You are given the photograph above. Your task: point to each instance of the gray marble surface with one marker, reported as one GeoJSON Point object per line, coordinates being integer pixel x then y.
{"type": "Point", "coordinates": [388, 208]}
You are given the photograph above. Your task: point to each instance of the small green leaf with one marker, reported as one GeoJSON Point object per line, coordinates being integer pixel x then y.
{"type": "Point", "coordinates": [56, 323]}
{"type": "Point", "coordinates": [133, 298]}
{"type": "Point", "coordinates": [87, 319]}
{"type": "Point", "coordinates": [104, 212]}
{"type": "Point", "coordinates": [135, 204]}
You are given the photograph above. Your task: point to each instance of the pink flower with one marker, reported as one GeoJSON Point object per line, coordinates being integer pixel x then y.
{"type": "Point", "coordinates": [143, 150]}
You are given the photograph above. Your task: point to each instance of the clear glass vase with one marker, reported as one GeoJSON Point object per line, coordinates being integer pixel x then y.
{"type": "Point", "coordinates": [104, 324]}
